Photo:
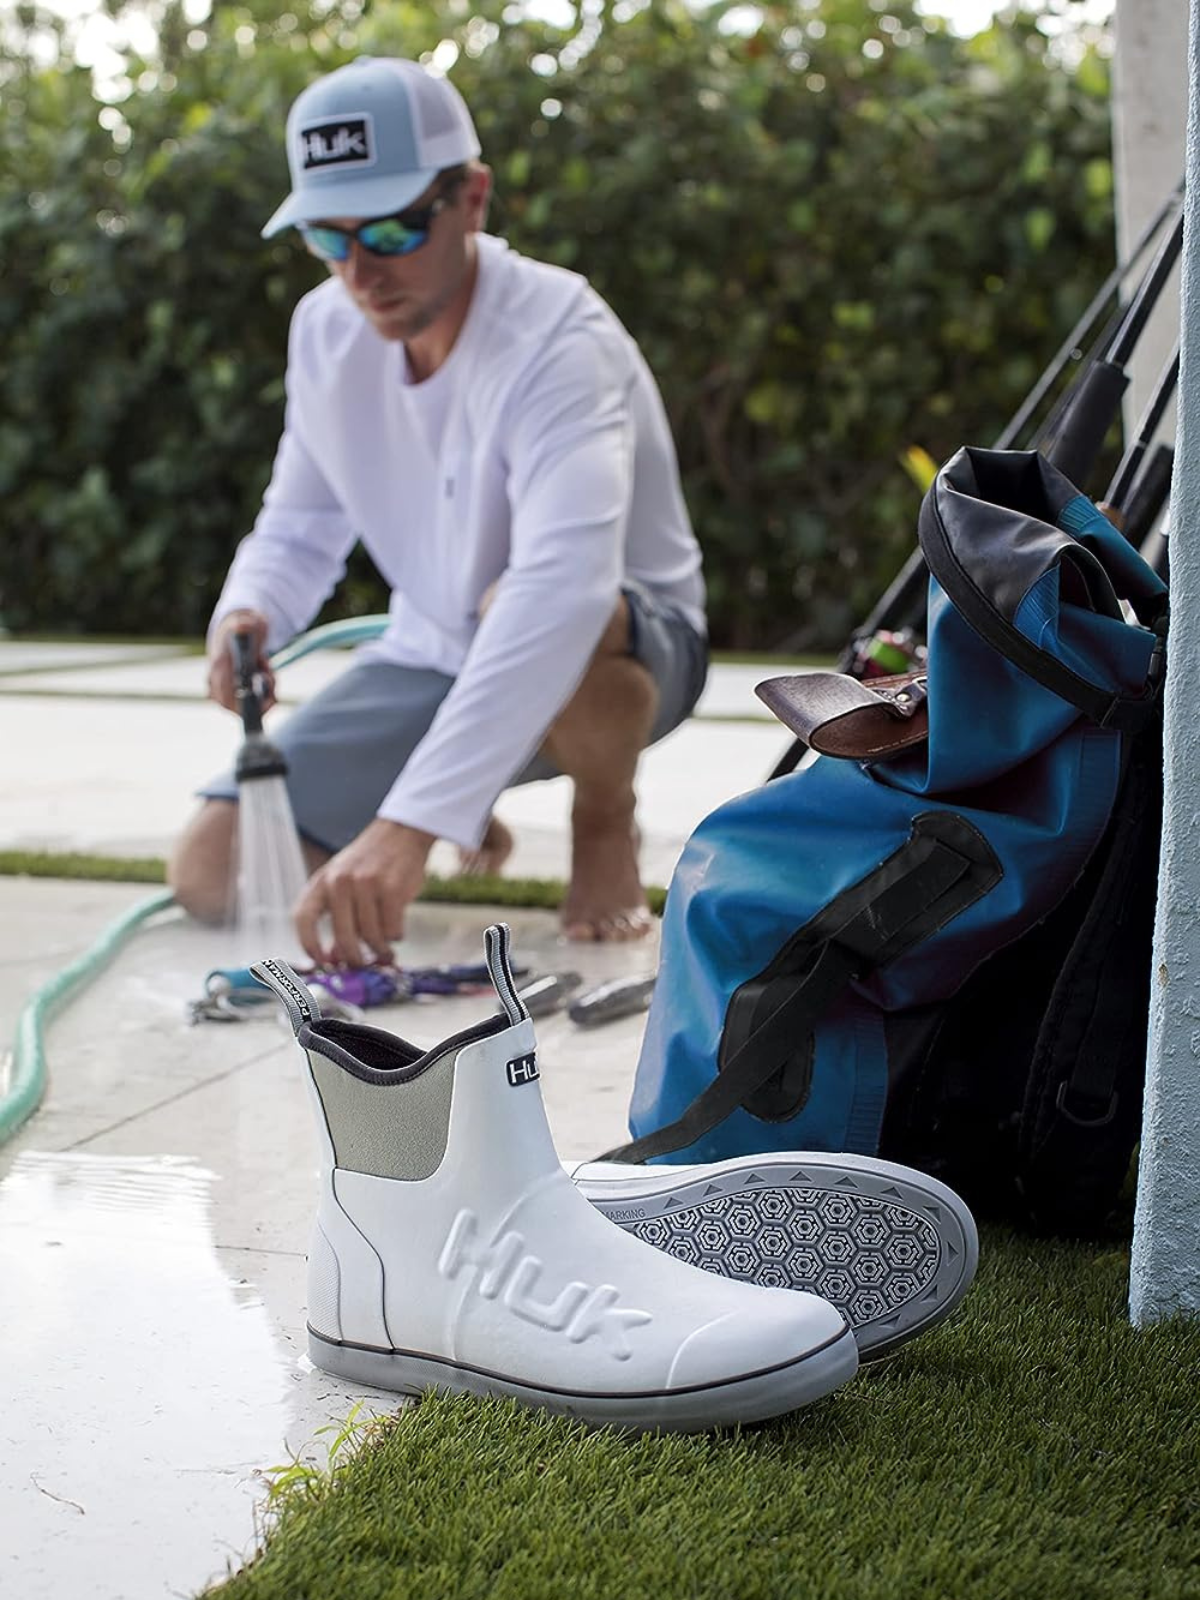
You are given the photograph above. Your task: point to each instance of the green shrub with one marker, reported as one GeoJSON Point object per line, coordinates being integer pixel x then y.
{"type": "Point", "coordinates": [844, 234]}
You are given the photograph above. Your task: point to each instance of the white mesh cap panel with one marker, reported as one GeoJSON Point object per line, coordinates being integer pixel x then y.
{"type": "Point", "coordinates": [443, 124]}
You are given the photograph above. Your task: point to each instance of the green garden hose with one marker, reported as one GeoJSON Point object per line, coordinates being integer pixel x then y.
{"type": "Point", "coordinates": [27, 1078]}
{"type": "Point", "coordinates": [353, 630]}
{"type": "Point", "coordinates": [24, 1084]}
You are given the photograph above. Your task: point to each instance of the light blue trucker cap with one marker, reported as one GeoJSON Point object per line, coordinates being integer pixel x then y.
{"type": "Point", "coordinates": [368, 139]}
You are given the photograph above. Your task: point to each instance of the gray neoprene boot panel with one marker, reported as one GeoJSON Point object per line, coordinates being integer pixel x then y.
{"type": "Point", "coordinates": [368, 1136]}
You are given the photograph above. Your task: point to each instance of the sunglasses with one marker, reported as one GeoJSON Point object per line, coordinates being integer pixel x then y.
{"type": "Point", "coordinates": [397, 235]}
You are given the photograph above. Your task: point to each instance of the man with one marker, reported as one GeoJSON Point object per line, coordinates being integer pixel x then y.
{"type": "Point", "coordinates": [491, 433]}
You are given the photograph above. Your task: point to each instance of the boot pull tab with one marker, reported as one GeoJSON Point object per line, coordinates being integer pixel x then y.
{"type": "Point", "coordinates": [497, 946]}
{"type": "Point", "coordinates": [298, 1001]}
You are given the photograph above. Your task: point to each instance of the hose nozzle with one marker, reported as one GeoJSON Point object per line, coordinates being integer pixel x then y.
{"type": "Point", "coordinates": [248, 683]}
{"type": "Point", "coordinates": [258, 757]}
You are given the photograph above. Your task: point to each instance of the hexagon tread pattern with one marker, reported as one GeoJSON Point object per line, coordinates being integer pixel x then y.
{"type": "Point", "coordinates": [893, 1250]}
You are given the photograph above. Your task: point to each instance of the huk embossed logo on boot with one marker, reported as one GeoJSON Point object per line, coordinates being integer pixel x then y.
{"type": "Point", "coordinates": [506, 1271]}
{"type": "Point", "coordinates": [342, 142]}
{"type": "Point", "coordinates": [523, 1069]}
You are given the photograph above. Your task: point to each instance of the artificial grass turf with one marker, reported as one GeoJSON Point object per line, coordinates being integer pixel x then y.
{"type": "Point", "coordinates": [74, 864]}
{"type": "Point", "coordinates": [474, 891]}
{"type": "Point", "coordinates": [1035, 1447]}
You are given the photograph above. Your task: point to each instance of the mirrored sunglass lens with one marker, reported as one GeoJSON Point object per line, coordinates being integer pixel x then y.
{"type": "Point", "coordinates": [328, 243]}
{"type": "Point", "coordinates": [389, 237]}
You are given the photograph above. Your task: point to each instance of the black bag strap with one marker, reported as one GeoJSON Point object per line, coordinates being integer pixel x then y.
{"type": "Point", "coordinates": [943, 867]}
{"type": "Point", "coordinates": [828, 974]}
{"type": "Point", "coordinates": [1090, 1006]}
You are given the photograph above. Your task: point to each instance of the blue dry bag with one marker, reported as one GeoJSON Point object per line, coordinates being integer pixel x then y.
{"type": "Point", "coordinates": [933, 942]}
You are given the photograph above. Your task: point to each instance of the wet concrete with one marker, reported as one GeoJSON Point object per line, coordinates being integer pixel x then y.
{"type": "Point", "coordinates": [154, 1213]}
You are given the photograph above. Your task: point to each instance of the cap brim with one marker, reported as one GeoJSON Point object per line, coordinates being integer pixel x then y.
{"type": "Point", "coordinates": [353, 197]}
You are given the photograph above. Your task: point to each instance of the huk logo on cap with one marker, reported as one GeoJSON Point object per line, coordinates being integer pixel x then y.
{"type": "Point", "coordinates": [337, 142]}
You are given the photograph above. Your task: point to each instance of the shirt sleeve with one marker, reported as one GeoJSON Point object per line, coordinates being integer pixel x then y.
{"type": "Point", "coordinates": [296, 553]}
{"type": "Point", "coordinates": [570, 477]}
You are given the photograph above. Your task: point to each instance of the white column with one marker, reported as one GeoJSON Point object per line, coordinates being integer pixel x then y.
{"type": "Point", "coordinates": [1149, 103]}
{"type": "Point", "coordinates": [1165, 1274]}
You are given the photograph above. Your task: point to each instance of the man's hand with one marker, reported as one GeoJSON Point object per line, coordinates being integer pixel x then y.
{"type": "Point", "coordinates": [364, 890]}
{"type": "Point", "coordinates": [221, 681]}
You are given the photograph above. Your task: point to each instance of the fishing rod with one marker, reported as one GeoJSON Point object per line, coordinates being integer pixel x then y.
{"type": "Point", "coordinates": [1086, 414]}
{"type": "Point", "coordinates": [1141, 485]}
{"type": "Point", "coordinates": [1098, 394]}
{"type": "Point", "coordinates": [905, 595]}
{"type": "Point", "coordinates": [1149, 495]}
{"type": "Point", "coordinates": [1069, 348]}
{"type": "Point", "coordinates": [1129, 469]}
{"type": "Point", "coordinates": [1103, 343]}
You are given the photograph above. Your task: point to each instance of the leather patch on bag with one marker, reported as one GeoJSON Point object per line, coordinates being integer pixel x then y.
{"type": "Point", "coordinates": [837, 715]}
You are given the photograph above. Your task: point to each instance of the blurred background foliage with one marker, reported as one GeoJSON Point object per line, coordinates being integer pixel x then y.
{"type": "Point", "coordinates": [836, 229]}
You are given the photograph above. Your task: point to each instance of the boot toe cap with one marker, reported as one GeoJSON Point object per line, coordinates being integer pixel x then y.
{"type": "Point", "coordinates": [781, 1327]}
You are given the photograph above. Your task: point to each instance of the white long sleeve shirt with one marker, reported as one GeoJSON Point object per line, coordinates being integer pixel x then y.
{"type": "Point", "coordinates": [538, 455]}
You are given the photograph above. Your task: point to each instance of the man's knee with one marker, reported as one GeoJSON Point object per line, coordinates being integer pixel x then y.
{"type": "Point", "coordinates": [616, 639]}
{"type": "Point", "coordinates": [200, 870]}
{"type": "Point", "coordinates": [607, 722]}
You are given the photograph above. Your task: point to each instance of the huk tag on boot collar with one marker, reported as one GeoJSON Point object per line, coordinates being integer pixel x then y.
{"type": "Point", "coordinates": [497, 945]}
{"type": "Point", "coordinates": [279, 977]}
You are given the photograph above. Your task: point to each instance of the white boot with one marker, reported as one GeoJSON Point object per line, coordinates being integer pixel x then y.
{"type": "Point", "coordinates": [892, 1248]}
{"type": "Point", "coordinates": [452, 1251]}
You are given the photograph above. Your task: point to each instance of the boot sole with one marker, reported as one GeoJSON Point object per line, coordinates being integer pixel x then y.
{"type": "Point", "coordinates": [892, 1249]}
{"type": "Point", "coordinates": [750, 1397]}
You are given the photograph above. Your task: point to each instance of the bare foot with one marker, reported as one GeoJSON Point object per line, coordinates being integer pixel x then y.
{"type": "Point", "coordinates": [494, 850]}
{"type": "Point", "coordinates": [605, 901]}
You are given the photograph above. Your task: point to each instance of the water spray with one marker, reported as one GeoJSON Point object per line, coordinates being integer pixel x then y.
{"type": "Point", "coordinates": [271, 873]}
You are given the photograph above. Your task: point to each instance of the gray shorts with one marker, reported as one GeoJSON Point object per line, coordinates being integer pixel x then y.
{"type": "Point", "coordinates": [346, 746]}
